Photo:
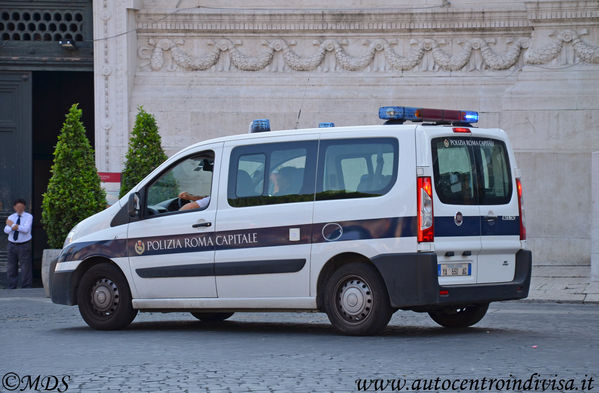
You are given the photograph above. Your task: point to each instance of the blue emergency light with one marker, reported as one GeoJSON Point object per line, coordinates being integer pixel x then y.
{"type": "Point", "coordinates": [403, 113]}
{"type": "Point", "coordinates": [326, 124]}
{"type": "Point", "coordinates": [260, 125]}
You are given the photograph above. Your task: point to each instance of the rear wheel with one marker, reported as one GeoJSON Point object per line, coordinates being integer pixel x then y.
{"type": "Point", "coordinates": [459, 316]}
{"type": "Point", "coordinates": [104, 298]}
{"type": "Point", "coordinates": [212, 316]}
{"type": "Point", "coordinates": [356, 300]}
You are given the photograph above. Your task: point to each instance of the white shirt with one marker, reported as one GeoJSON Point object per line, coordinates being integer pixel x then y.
{"type": "Point", "coordinates": [24, 227]}
{"type": "Point", "coordinates": [203, 203]}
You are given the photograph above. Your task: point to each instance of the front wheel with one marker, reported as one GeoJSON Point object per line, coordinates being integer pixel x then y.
{"type": "Point", "coordinates": [459, 316]}
{"type": "Point", "coordinates": [212, 316]}
{"type": "Point", "coordinates": [356, 300]}
{"type": "Point", "coordinates": [104, 298]}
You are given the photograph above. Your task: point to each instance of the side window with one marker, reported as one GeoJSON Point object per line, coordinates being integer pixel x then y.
{"type": "Point", "coordinates": [184, 186]}
{"type": "Point", "coordinates": [354, 168]}
{"type": "Point", "coordinates": [272, 173]}
{"type": "Point", "coordinates": [250, 175]}
{"type": "Point", "coordinates": [286, 172]}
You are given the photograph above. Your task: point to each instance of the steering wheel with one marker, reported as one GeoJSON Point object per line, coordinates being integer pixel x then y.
{"type": "Point", "coordinates": [181, 202]}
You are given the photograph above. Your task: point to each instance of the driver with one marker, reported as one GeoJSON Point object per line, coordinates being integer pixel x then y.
{"type": "Point", "coordinates": [197, 202]}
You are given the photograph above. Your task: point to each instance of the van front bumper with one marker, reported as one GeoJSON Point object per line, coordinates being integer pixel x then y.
{"type": "Point", "coordinates": [62, 288]}
{"type": "Point", "coordinates": [412, 283]}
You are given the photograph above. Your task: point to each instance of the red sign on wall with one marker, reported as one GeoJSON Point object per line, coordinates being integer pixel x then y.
{"type": "Point", "coordinates": [110, 177]}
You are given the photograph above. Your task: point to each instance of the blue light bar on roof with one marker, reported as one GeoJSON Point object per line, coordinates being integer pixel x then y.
{"type": "Point", "coordinates": [471, 117]}
{"type": "Point", "coordinates": [397, 113]}
{"type": "Point", "coordinates": [402, 113]}
{"type": "Point", "coordinates": [260, 125]}
{"type": "Point", "coordinates": [326, 124]}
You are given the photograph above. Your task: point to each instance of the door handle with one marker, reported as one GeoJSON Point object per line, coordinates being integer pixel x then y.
{"type": "Point", "coordinates": [202, 224]}
{"type": "Point", "coordinates": [467, 253]}
{"type": "Point", "coordinates": [491, 218]}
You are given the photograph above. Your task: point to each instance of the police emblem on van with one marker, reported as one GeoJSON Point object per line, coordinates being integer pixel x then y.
{"type": "Point", "coordinates": [139, 247]}
{"type": "Point", "coordinates": [446, 143]}
{"type": "Point", "coordinates": [458, 219]}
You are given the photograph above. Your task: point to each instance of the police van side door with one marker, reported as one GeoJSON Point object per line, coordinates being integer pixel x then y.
{"type": "Point", "coordinates": [456, 212]}
{"type": "Point", "coordinates": [264, 220]}
{"type": "Point", "coordinates": [171, 251]}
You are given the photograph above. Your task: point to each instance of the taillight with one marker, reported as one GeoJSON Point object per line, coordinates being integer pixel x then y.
{"type": "Point", "coordinates": [425, 210]}
{"type": "Point", "coordinates": [521, 210]}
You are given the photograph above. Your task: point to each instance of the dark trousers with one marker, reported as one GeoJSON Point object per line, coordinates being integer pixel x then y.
{"type": "Point", "coordinates": [19, 254]}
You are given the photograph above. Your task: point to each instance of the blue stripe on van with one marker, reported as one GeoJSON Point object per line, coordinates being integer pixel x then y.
{"type": "Point", "coordinates": [503, 226]}
{"type": "Point", "coordinates": [478, 226]}
{"type": "Point", "coordinates": [445, 226]}
{"type": "Point", "coordinates": [378, 228]}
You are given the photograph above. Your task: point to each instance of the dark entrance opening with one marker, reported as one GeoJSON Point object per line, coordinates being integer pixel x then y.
{"type": "Point", "coordinates": [53, 93]}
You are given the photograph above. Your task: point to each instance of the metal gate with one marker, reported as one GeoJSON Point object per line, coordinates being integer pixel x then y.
{"type": "Point", "coordinates": [15, 146]}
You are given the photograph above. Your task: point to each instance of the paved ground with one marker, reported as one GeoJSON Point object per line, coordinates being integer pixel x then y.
{"type": "Point", "coordinates": [287, 352]}
{"type": "Point", "coordinates": [563, 283]}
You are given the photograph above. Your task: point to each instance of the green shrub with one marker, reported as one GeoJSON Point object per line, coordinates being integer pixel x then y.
{"type": "Point", "coordinates": [74, 191]}
{"type": "Point", "coordinates": [145, 152]}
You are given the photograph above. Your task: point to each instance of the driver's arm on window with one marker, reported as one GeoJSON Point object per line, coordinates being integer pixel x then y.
{"type": "Point", "coordinates": [197, 201]}
{"type": "Point", "coordinates": [190, 197]}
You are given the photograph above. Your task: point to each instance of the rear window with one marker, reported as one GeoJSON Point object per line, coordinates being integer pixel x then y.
{"type": "Point", "coordinates": [471, 171]}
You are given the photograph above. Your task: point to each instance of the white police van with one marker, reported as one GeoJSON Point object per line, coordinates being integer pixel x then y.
{"type": "Point", "coordinates": [357, 222]}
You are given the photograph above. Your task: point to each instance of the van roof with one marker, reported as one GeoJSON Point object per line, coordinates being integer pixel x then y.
{"type": "Point", "coordinates": [303, 132]}
{"type": "Point", "coordinates": [334, 130]}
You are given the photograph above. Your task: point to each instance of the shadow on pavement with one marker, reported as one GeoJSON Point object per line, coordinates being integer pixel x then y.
{"type": "Point", "coordinates": [287, 328]}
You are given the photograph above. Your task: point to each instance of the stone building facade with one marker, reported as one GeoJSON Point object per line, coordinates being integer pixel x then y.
{"type": "Point", "coordinates": [207, 68]}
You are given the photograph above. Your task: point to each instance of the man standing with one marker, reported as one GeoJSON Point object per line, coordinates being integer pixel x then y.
{"type": "Point", "coordinates": [18, 229]}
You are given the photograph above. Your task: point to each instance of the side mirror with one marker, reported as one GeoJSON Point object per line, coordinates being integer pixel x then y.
{"type": "Point", "coordinates": [133, 205]}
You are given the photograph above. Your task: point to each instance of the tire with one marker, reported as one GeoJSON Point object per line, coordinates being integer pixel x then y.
{"type": "Point", "coordinates": [459, 316]}
{"type": "Point", "coordinates": [356, 300]}
{"type": "Point", "coordinates": [212, 316]}
{"type": "Point", "coordinates": [104, 298]}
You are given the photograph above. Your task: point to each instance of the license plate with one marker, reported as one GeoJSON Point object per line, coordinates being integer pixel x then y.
{"type": "Point", "coordinates": [454, 269]}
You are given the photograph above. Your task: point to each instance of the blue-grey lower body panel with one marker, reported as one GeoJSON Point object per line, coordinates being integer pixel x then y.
{"type": "Point", "coordinates": [62, 288]}
{"type": "Point", "coordinates": [412, 282]}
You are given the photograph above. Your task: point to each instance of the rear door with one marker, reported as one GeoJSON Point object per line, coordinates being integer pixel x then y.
{"type": "Point", "coordinates": [457, 215]}
{"type": "Point", "coordinates": [500, 225]}
{"type": "Point", "coordinates": [475, 207]}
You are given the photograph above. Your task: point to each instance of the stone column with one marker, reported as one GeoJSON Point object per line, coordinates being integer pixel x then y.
{"type": "Point", "coordinates": [595, 218]}
{"type": "Point", "coordinates": [114, 63]}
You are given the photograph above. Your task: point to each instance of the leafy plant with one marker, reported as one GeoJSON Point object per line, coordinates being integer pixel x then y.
{"type": "Point", "coordinates": [145, 151]}
{"type": "Point", "coordinates": [74, 191]}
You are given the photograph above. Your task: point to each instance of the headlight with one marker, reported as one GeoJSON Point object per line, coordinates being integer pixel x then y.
{"type": "Point", "coordinates": [70, 236]}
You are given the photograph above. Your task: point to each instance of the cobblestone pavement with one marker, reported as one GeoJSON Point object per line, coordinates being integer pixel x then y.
{"type": "Point", "coordinates": [291, 352]}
